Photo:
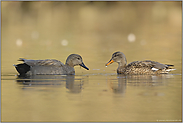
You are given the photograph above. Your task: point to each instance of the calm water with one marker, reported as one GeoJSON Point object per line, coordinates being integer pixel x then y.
{"type": "Point", "coordinates": [94, 30]}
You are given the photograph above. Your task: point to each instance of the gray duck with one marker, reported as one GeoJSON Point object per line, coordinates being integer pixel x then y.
{"type": "Point", "coordinates": [50, 66]}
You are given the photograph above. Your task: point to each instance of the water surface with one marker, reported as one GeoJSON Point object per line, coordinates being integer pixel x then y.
{"type": "Point", "coordinates": [54, 30]}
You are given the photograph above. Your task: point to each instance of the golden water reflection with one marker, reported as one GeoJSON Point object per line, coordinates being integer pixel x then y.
{"type": "Point", "coordinates": [53, 30]}
{"type": "Point", "coordinates": [130, 97]}
{"type": "Point", "coordinates": [74, 85]}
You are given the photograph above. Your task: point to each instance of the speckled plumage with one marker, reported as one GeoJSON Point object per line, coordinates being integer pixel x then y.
{"type": "Point", "coordinates": [138, 67]}
{"type": "Point", "coordinates": [49, 66]}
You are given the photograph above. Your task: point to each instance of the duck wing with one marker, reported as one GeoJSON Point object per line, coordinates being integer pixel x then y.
{"type": "Point", "coordinates": [158, 65]}
{"type": "Point", "coordinates": [154, 66]}
{"type": "Point", "coordinates": [141, 64]}
{"type": "Point", "coordinates": [46, 62]}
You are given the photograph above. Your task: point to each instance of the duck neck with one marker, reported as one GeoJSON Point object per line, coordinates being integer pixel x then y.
{"type": "Point", "coordinates": [122, 63]}
{"type": "Point", "coordinates": [69, 69]}
{"type": "Point", "coordinates": [70, 64]}
{"type": "Point", "coordinates": [121, 67]}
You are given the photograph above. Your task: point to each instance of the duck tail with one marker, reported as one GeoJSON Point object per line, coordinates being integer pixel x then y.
{"type": "Point", "coordinates": [22, 68]}
{"type": "Point", "coordinates": [169, 65]}
{"type": "Point", "coordinates": [21, 59]}
{"type": "Point", "coordinates": [169, 69]}
{"type": "Point", "coordinates": [14, 65]}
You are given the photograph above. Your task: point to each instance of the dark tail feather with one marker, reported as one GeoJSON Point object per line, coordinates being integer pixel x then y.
{"type": "Point", "coordinates": [169, 65]}
{"type": "Point", "coordinates": [22, 68]}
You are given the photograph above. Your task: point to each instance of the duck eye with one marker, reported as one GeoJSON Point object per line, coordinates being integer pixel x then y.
{"type": "Point", "coordinates": [78, 58]}
{"type": "Point", "coordinates": [115, 55]}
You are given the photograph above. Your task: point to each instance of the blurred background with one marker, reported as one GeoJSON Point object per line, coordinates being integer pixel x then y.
{"type": "Point", "coordinates": [45, 30]}
{"type": "Point", "coordinates": [95, 30]}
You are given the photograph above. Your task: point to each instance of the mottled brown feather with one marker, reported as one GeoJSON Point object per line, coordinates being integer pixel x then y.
{"type": "Point", "coordinates": [139, 67]}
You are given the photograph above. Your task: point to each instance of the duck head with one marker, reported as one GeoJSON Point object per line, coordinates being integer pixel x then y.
{"type": "Point", "coordinates": [118, 57]}
{"type": "Point", "coordinates": [74, 60]}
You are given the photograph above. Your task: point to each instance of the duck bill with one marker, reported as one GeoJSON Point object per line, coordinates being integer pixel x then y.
{"type": "Point", "coordinates": [83, 65]}
{"type": "Point", "coordinates": [110, 62]}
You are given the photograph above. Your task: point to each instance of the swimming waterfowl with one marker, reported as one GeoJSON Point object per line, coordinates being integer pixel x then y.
{"type": "Point", "coordinates": [50, 66]}
{"type": "Point", "coordinates": [138, 67]}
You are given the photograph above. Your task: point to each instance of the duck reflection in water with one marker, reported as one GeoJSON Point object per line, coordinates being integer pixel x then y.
{"type": "Point", "coordinates": [121, 82]}
{"type": "Point", "coordinates": [71, 83]}
{"type": "Point", "coordinates": [74, 85]}
{"type": "Point", "coordinates": [148, 80]}
{"type": "Point", "coordinates": [118, 85]}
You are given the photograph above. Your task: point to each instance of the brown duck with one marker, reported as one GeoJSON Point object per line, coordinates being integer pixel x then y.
{"type": "Point", "coordinates": [50, 66]}
{"type": "Point", "coordinates": [138, 67]}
